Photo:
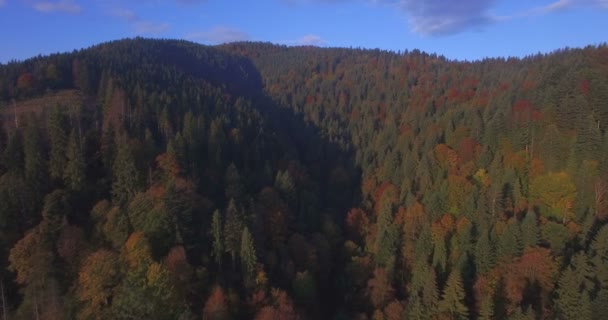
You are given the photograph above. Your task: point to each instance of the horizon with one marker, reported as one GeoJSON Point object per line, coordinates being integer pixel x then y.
{"type": "Point", "coordinates": [396, 52]}
{"type": "Point", "coordinates": [469, 30]}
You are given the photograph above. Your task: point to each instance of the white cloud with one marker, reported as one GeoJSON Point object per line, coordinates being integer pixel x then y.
{"type": "Point", "coordinates": [124, 14]}
{"type": "Point", "coordinates": [440, 17]}
{"type": "Point", "coordinates": [190, 1]}
{"type": "Point", "coordinates": [140, 26]}
{"type": "Point", "coordinates": [64, 6]}
{"type": "Point", "coordinates": [558, 5]}
{"type": "Point", "coordinates": [218, 35]}
{"type": "Point", "coordinates": [148, 27]}
{"type": "Point", "coordinates": [311, 40]}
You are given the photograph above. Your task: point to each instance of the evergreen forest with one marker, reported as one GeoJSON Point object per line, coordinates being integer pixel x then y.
{"type": "Point", "coordinates": [163, 179]}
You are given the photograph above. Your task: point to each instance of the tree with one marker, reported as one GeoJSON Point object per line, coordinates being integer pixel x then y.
{"type": "Point", "coordinates": [74, 174]}
{"type": "Point", "coordinates": [557, 193]}
{"type": "Point", "coordinates": [97, 281]}
{"type": "Point", "coordinates": [126, 176]}
{"type": "Point", "coordinates": [249, 259]}
{"type": "Point", "coordinates": [281, 308]}
{"type": "Point", "coordinates": [233, 231]}
{"type": "Point", "coordinates": [217, 237]}
{"type": "Point", "coordinates": [484, 254]}
{"type": "Point", "coordinates": [34, 162]}
{"type": "Point", "coordinates": [570, 302]}
{"type": "Point", "coordinates": [380, 288]}
{"type": "Point", "coordinates": [32, 260]}
{"type": "Point", "coordinates": [58, 142]}
{"type": "Point", "coordinates": [387, 234]}
{"type": "Point", "coordinates": [216, 306]}
{"type": "Point", "coordinates": [452, 300]}
{"type": "Point", "coordinates": [233, 183]}
{"type": "Point", "coordinates": [530, 230]}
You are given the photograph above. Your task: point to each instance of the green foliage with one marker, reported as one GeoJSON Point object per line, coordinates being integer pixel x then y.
{"type": "Point", "coordinates": [233, 227]}
{"type": "Point", "coordinates": [74, 174]}
{"type": "Point", "coordinates": [58, 137]}
{"type": "Point", "coordinates": [452, 300]}
{"type": "Point", "coordinates": [477, 178]}
{"type": "Point", "coordinates": [249, 260]}
{"type": "Point", "coordinates": [217, 237]}
{"type": "Point", "coordinates": [126, 176]}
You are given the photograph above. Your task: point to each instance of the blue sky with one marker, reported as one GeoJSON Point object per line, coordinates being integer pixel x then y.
{"type": "Point", "coordinates": [457, 29]}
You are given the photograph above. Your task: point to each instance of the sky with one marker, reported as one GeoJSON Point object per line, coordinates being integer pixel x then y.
{"type": "Point", "coordinates": [456, 29]}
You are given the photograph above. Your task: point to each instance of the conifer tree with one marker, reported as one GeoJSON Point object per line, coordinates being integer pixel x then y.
{"type": "Point", "coordinates": [58, 142]}
{"type": "Point", "coordinates": [452, 300]}
{"type": "Point", "coordinates": [217, 237]}
{"type": "Point", "coordinates": [530, 230]}
{"type": "Point", "coordinates": [233, 227]}
{"type": "Point", "coordinates": [248, 255]}
{"type": "Point", "coordinates": [126, 176]}
{"type": "Point", "coordinates": [74, 174]}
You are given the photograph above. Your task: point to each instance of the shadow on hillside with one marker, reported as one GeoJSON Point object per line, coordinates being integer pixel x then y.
{"type": "Point", "coordinates": [330, 165]}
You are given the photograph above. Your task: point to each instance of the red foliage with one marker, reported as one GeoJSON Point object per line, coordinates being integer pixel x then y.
{"type": "Point", "coordinates": [584, 86]}
{"type": "Point", "coordinates": [177, 264]}
{"type": "Point", "coordinates": [281, 309]}
{"type": "Point", "coordinates": [385, 189]}
{"type": "Point", "coordinates": [467, 149]}
{"type": "Point", "coordinates": [216, 306]}
{"type": "Point", "coordinates": [70, 243]}
{"type": "Point", "coordinates": [25, 81]}
{"type": "Point", "coordinates": [523, 111]}
{"type": "Point", "coordinates": [357, 224]}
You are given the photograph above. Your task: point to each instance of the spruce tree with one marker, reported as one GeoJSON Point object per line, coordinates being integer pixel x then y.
{"type": "Point", "coordinates": [126, 176]}
{"type": "Point", "coordinates": [248, 256]}
{"type": "Point", "coordinates": [58, 141]}
{"type": "Point", "coordinates": [74, 174]}
{"type": "Point", "coordinates": [530, 230]}
{"type": "Point", "coordinates": [232, 231]}
{"type": "Point", "coordinates": [216, 235]}
{"type": "Point", "coordinates": [452, 300]}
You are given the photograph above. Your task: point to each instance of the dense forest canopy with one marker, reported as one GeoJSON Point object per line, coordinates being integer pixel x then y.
{"type": "Point", "coordinates": [164, 179]}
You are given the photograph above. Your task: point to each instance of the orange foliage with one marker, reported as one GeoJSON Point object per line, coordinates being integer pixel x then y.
{"type": "Point", "coordinates": [357, 223]}
{"type": "Point", "coordinates": [216, 306]}
{"type": "Point", "coordinates": [380, 289]}
{"type": "Point", "coordinates": [281, 309]}
{"type": "Point", "coordinates": [394, 311]}
{"type": "Point", "coordinates": [467, 149]}
{"type": "Point", "coordinates": [25, 81]}
{"type": "Point", "coordinates": [136, 250]}
{"type": "Point", "coordinates": [177, 264]}
{"type": "Point", "coordinates": [442, 226]}
{"type": "Point", "coordinates": [535, 266]}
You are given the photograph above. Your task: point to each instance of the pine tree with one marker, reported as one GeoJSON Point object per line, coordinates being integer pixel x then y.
{"type": "Point", "coordinates": [568, 296]}
{"type": "Point", "coordinates": [233, 183]}
{"type": "Point", "coordinates": [126, 176]}
{"type": "Point", "coordinates": [387, 236]}
{"type": "Point", "coordinates": [452, 301]}
{"type": "Point", "coordinates": [530, 230]}
{"type": "Point", "coordinates": [509, 244]}
{"type": "Point", "coordinates": [248, 256]}
{"type": "Point", "coordinates": [58, 141]}
{"type": "Point", "coordinates": [216, 235]}
{"type": "Point", "coordinates": [33, 158]}
{"type": "Point", "coordinates": [74, 173]}
{"type": "Point", "coordinates": [232, 231]}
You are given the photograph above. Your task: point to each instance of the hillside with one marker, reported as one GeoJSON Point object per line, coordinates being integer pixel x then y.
{"type": "Point", "coordinates": [163, 179]}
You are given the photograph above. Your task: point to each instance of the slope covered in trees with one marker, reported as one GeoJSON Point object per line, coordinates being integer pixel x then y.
{"type": "Point", "coordinates": [259, 181]}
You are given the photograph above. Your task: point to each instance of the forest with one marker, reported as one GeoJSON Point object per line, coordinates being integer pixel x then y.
{"type": "Point", "coordinates": [163, 179]}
